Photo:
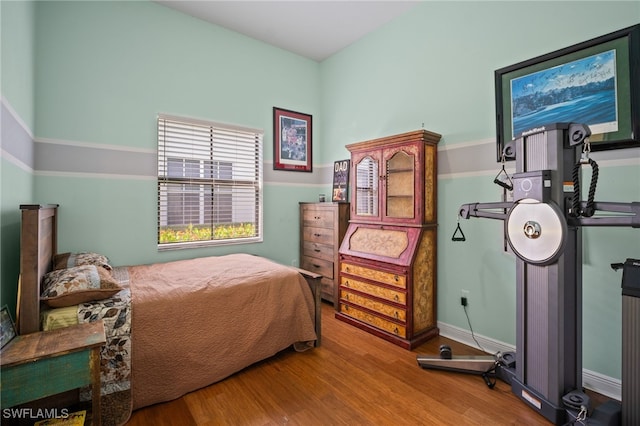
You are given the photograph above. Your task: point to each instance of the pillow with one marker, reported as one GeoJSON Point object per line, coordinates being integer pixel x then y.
{"type": "Point", "coordinates": [69, 260]}
{"type": "Point", "coordinates": [71, 286]}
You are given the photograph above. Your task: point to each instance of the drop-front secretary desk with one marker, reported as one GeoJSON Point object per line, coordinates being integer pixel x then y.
{"type": "Point", "coordinates": [388, 255]}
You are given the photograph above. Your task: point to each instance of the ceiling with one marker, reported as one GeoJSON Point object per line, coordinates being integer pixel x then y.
{"type": "Point", "coordinates": [315, 29]}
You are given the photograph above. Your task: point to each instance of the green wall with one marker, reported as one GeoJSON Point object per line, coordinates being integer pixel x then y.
{"type": "Point", "coordinates": [113, 80]}
{"type": "Point", "coordinates": [16, 176]}
{"type": "Point", "coordinates": [106, 69]}
{"type": "Point", "coordinates": [435, 65]}
{"type": "Point", "coordinates": [18, 58]}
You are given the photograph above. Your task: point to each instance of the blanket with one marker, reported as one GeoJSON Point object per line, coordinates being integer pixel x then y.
{"type": "Point", "coordinates": [115, 355]}
{"type": "Point", "coordinates": [198, 321]}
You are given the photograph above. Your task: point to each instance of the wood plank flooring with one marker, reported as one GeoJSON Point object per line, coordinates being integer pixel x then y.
{"type": "Point", "coordinates": [352, 379]}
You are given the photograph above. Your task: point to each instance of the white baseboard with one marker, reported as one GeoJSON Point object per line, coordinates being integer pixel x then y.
{"type": "Point", "coordinates": [602, 384]}
{"type": "Point", "coordinates": [591, 380]}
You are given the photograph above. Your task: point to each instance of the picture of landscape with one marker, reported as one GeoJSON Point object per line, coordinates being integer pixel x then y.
{"type": "Point", "coordinates": [582, 91]}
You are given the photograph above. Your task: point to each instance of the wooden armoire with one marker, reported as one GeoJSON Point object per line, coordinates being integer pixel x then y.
{"type": "Point", "coordinates": [388, 255]}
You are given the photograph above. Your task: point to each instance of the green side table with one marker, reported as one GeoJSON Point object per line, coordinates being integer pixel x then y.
{"type": "Point", "coordinates": [46, 363]}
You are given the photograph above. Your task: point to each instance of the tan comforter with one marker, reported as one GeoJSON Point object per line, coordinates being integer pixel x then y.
{"type": "Point", "coordinates": [197, 321]}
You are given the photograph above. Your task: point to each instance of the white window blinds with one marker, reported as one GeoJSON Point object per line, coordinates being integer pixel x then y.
{"type": "Point", "coordinates": [209, 183]}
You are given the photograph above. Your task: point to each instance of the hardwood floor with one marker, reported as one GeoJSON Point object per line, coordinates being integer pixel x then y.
{"type": "Point", "coordinates": [352, 379]}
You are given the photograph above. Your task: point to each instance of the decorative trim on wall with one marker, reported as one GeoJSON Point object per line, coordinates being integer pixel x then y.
{"type": "Point", "coordinates": [17, 139]}
{"type": "Point", "coordinates": [81, 175]}
{"type": "Point", "coordinates": [95, 145]}
{"type": "Point", "coordinates": [56, 157]}
{"type": "Point", "coordinates": [15, 161]}
{"type": "Point", "coordinates": [596, 382]}
{"type": "Point", "coordinates": [76, 157]}
{"type": "Point", "coordinates": [6, 105]}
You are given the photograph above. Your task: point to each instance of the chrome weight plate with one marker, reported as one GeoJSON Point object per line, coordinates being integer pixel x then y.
{"type": "Point", "coordinates": [536, 231]}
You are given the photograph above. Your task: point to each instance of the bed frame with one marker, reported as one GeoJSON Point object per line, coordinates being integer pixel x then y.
{"type": "Point", "coordinates": [38, 245]}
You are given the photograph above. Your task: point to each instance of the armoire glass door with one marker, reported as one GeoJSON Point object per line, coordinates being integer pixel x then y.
{"type": "Point", "coordinates": [400, 190]}
{"type": "Point", "coordinates": [367, 187]}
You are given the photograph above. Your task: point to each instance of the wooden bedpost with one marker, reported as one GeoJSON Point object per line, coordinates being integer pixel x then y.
{"type": "Point", "coordinates": [38, 245]}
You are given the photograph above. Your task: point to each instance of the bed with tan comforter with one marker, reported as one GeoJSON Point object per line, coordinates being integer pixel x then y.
{"type": "Point", "coordinates": [171, 328]}
{"type": "Point", "coordinates": [179, 326]}
{"type": "Point", "coordinates": [197, 321]}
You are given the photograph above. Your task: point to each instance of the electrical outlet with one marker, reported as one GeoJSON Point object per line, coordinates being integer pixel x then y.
{"type": "Point", "coordinates": [464, 297]}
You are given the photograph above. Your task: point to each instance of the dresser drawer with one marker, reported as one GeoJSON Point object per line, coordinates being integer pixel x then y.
{"type": "Point", "coordinates": [319, 266]}
{"type": "Point", "coordinates": [397, 280]}
{"type": "Point", "coordinates": [382, 324]}
{"type": "Point", "coordinates": [319, 218]}
{"type": "Point", "coordinates": [374, 305]}
{"type": "Point", "coordinates": [317, 235]}
{"type": "Point", "coordinates": [375, 290]}
{"type": "Point", "coordinates": [320, 251]}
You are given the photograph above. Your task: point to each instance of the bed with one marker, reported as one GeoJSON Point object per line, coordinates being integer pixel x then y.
{"type": "Point", "coordinates": [171, 327]}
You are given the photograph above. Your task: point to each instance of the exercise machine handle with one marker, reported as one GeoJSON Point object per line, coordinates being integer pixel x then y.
{"type": "Point", "coordinates": [485, 210]}
{"type": "Point", "coordinates": [630, 215]}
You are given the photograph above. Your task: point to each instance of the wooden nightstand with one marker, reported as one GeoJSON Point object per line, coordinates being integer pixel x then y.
{"type": "Point", "coordinates": [41, 364]}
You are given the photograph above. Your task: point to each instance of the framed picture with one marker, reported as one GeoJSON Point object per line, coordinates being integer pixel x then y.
{"type": "Point", "coordinates": [595, 82]}
{"type": "Point", "coordinates": [340, 190]}
{"type": "Point", "coordinates": [291, 140]}
{"type": "Point", "coordinates": [7, 328]}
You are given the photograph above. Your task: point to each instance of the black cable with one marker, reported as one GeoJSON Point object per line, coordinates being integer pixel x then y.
{"type": "Point", "coordinates": [471, 328]}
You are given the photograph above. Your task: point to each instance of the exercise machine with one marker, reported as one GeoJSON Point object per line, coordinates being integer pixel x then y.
{"type": "Point", "coordinates": [543, 228]}
{"type": "Point", "coordinates": [630, 340]}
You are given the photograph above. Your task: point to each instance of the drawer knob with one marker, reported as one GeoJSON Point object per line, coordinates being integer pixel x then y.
{"type": "Point", "coordinates": [396, 331]}
{"type": "Point", "coordinates": [346, 283]}
{"type": "Point", "coordinates": [397, 314]}
{"type": "Point", "coordinates": [316, 266]}
{"type": "Point", "coordinates": [317, 235]}
{"type": "Point", "coordinates": [395, 277]}
{"type": "Point", "coordinates": [396, 298]}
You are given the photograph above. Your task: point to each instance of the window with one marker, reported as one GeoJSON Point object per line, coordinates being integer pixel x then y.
{"type": "Point", "coordinates": [209, 183]}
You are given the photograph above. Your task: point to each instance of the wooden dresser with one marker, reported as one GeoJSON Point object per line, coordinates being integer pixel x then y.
{"type": "Point", "coordinates": [387, 280]}
{"type": "Point", "coordinates": [322, 227]}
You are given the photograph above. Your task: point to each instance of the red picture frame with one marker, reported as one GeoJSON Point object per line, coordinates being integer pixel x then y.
{"type": "Point", "coordinates": [292, 140]}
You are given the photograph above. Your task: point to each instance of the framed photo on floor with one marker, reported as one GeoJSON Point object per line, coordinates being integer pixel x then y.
{"type": "Point", "coordinates": [7, 328]}
{"type": "Point", "coordinates": [292, 140]}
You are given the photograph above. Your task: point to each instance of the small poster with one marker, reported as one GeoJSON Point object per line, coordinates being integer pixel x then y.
{"type": "Point", "coordinates": [340, 191]}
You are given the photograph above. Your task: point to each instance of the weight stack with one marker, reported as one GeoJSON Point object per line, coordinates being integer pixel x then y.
{"type": "Point", "coordinates": [631, 343]}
